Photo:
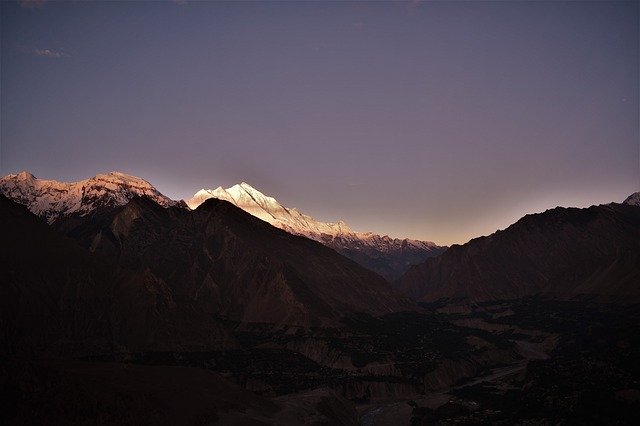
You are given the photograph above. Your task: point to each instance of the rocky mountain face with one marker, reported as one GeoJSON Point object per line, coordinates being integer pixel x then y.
{"type": "Point", "coordinates": [170, 282]}
{"type": "Point", "coordinates": [142, 277]}
{"type": "Point", "coordinates": [59, 299]}
{"type": "Point", "coordinates": [389, 257]}
{"type": "Point", "coordinates": [633, 199]}
{"type": "Point", "coordinates": [563, 252]}
{"type": "Point", "coordinates": [231, 264]}
{"type": "Point", "coordinates": [151, 314]}
{"type": "Point", "coordinates": [51, 199]}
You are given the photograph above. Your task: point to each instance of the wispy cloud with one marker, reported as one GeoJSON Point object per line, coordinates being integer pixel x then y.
{"type": "Point", "coordinates": [32, 4]}
{"type": "Point", "coordinates": [358, 25]}
{"type": "Point", "coordinates": [50, 53]}
{"type": "Point", "coordinates": [412, 4]}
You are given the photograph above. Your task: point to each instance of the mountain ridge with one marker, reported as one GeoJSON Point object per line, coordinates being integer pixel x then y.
{"type": "Point", "coordinates": [562, 253]}
{"type": "Point", "coordinates": [389, 257]}
{"type": "Point", "coordinates": [60, 298]}
{"type": "Point", "coordinates": [633, 199]}
{"type": "Point", "coordinates": [228, 263]}
{"type": "Point", "coordinates": [51, 199]}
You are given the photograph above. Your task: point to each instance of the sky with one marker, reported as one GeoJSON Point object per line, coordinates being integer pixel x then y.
{"type": "Point", "coordinates": [440, 121]}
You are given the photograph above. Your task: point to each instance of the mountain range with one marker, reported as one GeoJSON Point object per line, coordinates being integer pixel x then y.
{"type": "Point", "coordinates": [564, 252]}
{"type": "Point", "coordinates": [119, 304]}
{"type": "Point", "coordinates": [53, 200]}
{"type": "Point", "coordinates": [60, 299]}
{"type": "Point", "coordinates": [389, 257]}
{"type": "Point", "coordinates": [147, 277]}
{"type": "Point", "coordinates": [561, 253]}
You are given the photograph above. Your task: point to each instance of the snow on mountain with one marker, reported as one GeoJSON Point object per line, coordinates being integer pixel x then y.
{"type": "Point", "coordinates": [633, 199]}
{"type": "Point", "coordinates": [388, 256]}
{"type": "Point", "coordinates": [51, 199]}
{"type": "Point", "coordinates": [268, 209]}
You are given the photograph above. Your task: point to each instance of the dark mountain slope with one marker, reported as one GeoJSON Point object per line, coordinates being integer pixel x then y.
{"type": "Point", "coordinates": [391, 262]}
{"type": "Point", "coordinates": [59, 299]}
{"type": "Point", "coordinates": [52, 292]}
{"type": "Point", "coordinates": [389, 257]}
{"type": "Point", "coordinates": [229, 263]}
{"type": "Point", "coordinates": [563, 252]}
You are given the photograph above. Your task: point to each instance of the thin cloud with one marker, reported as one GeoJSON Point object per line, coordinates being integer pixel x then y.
{"type": "Point", "coordinates": [50, 53]}
{"type": "Point", "coordinates": [32, 4]}
{"type": "Point", "coordinates": [412, 4]}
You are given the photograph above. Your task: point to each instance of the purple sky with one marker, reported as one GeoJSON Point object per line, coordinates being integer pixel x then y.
{"type": "Point", "coordinates": [439, 121]}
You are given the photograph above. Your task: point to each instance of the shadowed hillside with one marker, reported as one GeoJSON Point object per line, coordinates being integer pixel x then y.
{"type": "Point", "coordinates": [563, 252]}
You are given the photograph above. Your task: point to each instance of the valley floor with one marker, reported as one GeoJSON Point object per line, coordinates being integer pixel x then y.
{"type": "Point", "coordinates": [512, 362]}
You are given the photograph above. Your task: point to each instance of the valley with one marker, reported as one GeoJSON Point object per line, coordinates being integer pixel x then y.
{"type": "Point", "coordinates": [138, 312]}
{"type": "Point", "coordinates": [532, 360]}
{"type": "Point", "coordinates": [319, 212]}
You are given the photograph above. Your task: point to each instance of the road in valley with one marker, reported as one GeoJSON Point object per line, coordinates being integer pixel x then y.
{"type": "Point", "coordinates": [400, 412]}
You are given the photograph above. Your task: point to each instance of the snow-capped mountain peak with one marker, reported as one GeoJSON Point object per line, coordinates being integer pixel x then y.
{"type": "Point", "coordinates": [252, 201]}
{"type": "Point", "coordinates": [365, 247]}
{"type": "Point", "coordinates": [270, 210]}
{"type": "Point", "coordinates": [51, 199]}
{"type": "Point", "coordinates": [24, 176]}
{"type": "Point", "coordinates": [633, 199]}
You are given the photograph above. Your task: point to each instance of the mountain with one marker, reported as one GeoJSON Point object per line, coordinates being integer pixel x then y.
{"type": "Point", "coordinates": [142, 277]}
{"type": "Point", "coordinates": [633, 199]}
{"type": "Point", "coordinates": [389, 257]}
{"type": "Point", "coordinates": [220, 259]}
{"type": "Point", "coordinates": [59, 299]}
{"type": "Point", "coordinates": [51, 199]}
{"type": "Point", "coordinates": [227, 263]}
{"type": "Point", "coordinates": [563, 252]}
